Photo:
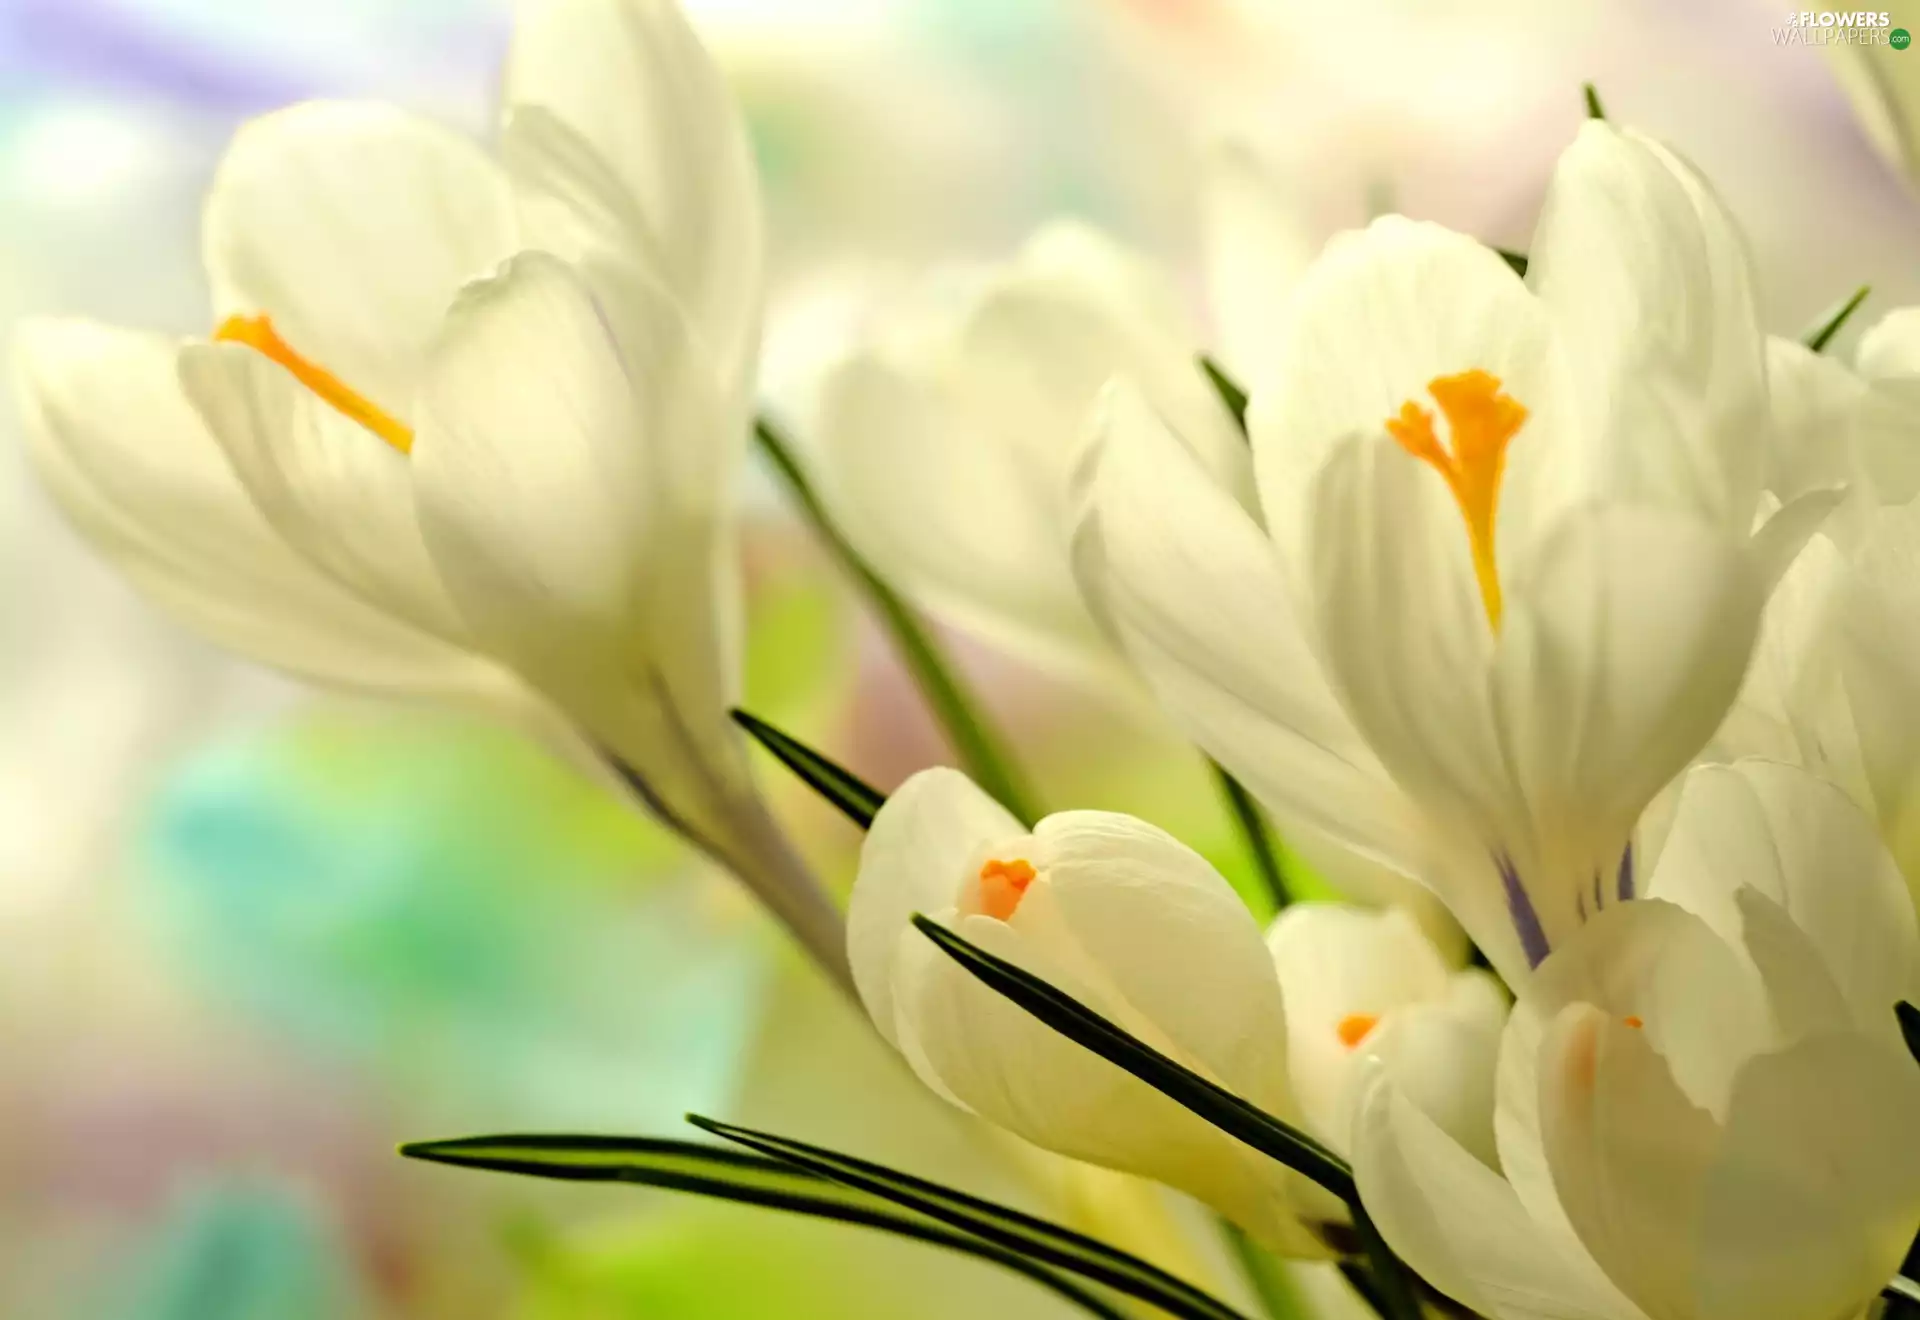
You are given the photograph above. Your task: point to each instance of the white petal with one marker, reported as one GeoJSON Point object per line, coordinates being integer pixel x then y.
{"type": "Point", "coordinates": [1130, 284]}
{"type": "Point", "coordinates": [1160, 929]}
{"type": "Point", "coordinates": [338, 493]}
{"type": "Point", "coordinates": [1815, 397]}
{"type": "Point", "coordinates": [1648, 279]}
{"type": "Point", "coordinates": [1443, 1056]}
{"type": "Point", "coordinates": [1460, 1226]}
{"type": "Point", "coordinates": [1623, 649]}
{"type": "Point", "coordinates": [1337, 963]}
{"type": "Point", "coordinates": [926, 489]}
{"type": "Point", "coordinates": [1016, 1072]}
{"type": "Point", "coordinates": [1380, 315]}
{"type": "Point", "coordinates": [564, 466]}
{"type": "Point", "coordinates": [1891, 346]}
{"type": "Point", "coordinates": [632, 81]}
{"type": "Point", "coordinates": [1629, 1154]}
{"type": "Point", "coordinates": [132, 464]}
{"type": "Point", "coordinates": [1257, 250]}
{"type": "Point", "coordinates": [1700, 1005]}
{"type": "Point", "coordinates": [913, 861]}
{"type": "Point", "coordinates": [1877, 618]}
{"type": "Point", "coordinates": [352, 226]}
{"type": "Point", "coordinates": [1806, 846]}
{"type": "Point", "coordinates": [1815, 1193]}
{"type": "Point", "coordinates": [1195, 594]}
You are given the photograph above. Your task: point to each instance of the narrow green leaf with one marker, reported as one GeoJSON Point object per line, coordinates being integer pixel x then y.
{"type": "Point", "coordinates": [1517, 260]}
{"type": "Point", "coordinates": [1033, 1238]}
{"type": "Point", "coordinates": [1229, 391]}
{"type": "Point", "coordinates": [978, 747]}
{"type": "Point", "coordinates": [855, 797]}
{"type": "Point", "coordinates": [1215, 1104]}
{"type": "Point", "coordinates": [1830, 325]}
{"type": "Point", "coordinates": [1594, 109]}
{"type": "Point", "coordinates": [1256, 833]}
{"type": "Point", "coordinates": [729, 1175]}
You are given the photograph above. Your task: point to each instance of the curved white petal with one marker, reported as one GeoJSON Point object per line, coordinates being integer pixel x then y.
{"type": "Point", "coordinates": [1802, 843]}
{"type": "Point", "coordinates": [1815, 398]}
{"type": "Point", "coordinates": [1341, 965]}
{"type": "Point", "coordinates": [1383, 313]}
{"type": "Point", "coordinates": [1699, 1005]}
{"type": "Point", "coordinates": [1460, 1226]}
{"type": "Point", "coordinates": [923, 484]}
{"type": "Point", "coordinates": [1195, 594]}
{"type": "Point", "coordinates": [1647, 278]}
{"type": "Point", "coordinates": [130, 461]}
{"type": "Point", "coordinates": [352, 225]}
{"type": "Point", "coordinates": [913, 860]}
{"type": "Point", "coordinates": [1257, 250]}
{"type": "Point", "coordinates": [1629, 1154]}
{"type": "Point", "coordinates": [1814, 1195]}
{"type": "Point", "coordinates": [1624, 647]}
{"type": "Point", "coordinates": [1876, 632]}
{"type": "Point", "coordinates": [632, 82]}
{"type": "Point", "coordinates": [1890, 347]}
{"type": "Point", "coordinates": [335, 491]}
{"type": "Point", "coordinates": [1443, 1056]}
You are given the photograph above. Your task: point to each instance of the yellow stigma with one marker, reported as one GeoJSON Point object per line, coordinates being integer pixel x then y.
{"type": "Point", "coordinates": [1002, 885]}
{"type": "Point", "coordinates": [1355, 1027]}
{"type": "Point", "coordinates": [1480, 422]}
{"type": "Point", "coordinates": [257, 333]}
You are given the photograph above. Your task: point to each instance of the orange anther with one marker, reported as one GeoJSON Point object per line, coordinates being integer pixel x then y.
{"type": "Point", "coordinates": [1002, 885]}
{"type": "Point", "coordinates": [1355, 1027]}
{"type": "Point", "coordinates": [257, 333]}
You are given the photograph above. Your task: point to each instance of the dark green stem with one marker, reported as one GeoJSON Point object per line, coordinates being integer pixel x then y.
{"type": "Point", "coordinates": [1255, 833]}
{"type": "Point", "coordinates": [973, 741]}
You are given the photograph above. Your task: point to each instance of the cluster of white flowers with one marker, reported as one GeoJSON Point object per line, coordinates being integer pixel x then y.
{"type": "Point", "coordinates": [1563, 602]}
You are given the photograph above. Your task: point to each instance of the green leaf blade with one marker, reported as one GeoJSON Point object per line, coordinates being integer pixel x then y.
{"type": "Point", "coordinates": [853, 796]}
{"type": "Point", "coordinates": [729, 1175]}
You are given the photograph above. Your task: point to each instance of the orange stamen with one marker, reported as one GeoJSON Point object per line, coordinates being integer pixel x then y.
{"type": "Point", "coordinates": [1481, 420]}
{"type": "Point", "coordinates": [1355, 1027]}
{"type": "Point", "coordinates": [257, 333]}
{"type": "Point", "coordinates": [1003, 885]}
{"type": "Point", "coordinates": [1633, 1021]}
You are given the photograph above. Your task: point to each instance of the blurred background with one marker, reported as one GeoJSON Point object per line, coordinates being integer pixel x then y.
{"type": "Point", "coordinates": [251, 936]}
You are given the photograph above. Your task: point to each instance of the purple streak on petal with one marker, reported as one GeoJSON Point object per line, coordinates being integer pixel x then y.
{"type": "Point", "coordinates": [1623, 882]}
{"type": "Point", "coordinates": [1526, 921]}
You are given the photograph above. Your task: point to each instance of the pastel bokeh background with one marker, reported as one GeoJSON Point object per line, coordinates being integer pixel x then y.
{"type": "Point", "coordinates": [251, 937]}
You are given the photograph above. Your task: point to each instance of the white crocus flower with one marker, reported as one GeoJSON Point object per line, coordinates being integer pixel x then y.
{"type": "Point", "coordinates": [1506, 586]}
{"type": "Point", "coordinates": [1705, 1108]}
{"type": "Point", "coordinates": [1368, 988]}
{"type": "Point", "coordinates": [516, 497]}
{"type": "Point", "coordinates": [1125, 919]}
{"type": "Point", "coordinates": [947, 443]}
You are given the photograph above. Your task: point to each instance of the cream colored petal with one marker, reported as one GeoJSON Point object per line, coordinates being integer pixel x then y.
{"type": "Point", "coordinates": [352, 225]}
{"type": "Point", "coordinates": [1381, 314]}
{"type": "Point", "coordinates": [1815, 1193]}
{"type": "Point", "coordinates": [1443, 1056]}
{"type": "Point", "coordinates": [1020, 1074]}
{"type": "Point", "coordinates": [927, 489]}
{"type": "Point", "coordinates": [1803, 844]}
{"type": "Point", "coordinates": [1629, 1153]}
{"type": "Point", "coordinates": [1647, 277]}
{"type": "Point", "coordinates": [914, 860]}
{"type": "Point", "coordinates": [1890, 347]}
{"type": "Point", "coordinates": [1699, 1004]}
{"type": "Point", "coordinates": [633, 83]}
{"type": "Point", "coordinates": [1815, 400]}
{"type": "Point", "coordinates": [1196, 596]}
{"type": "Point", "coordinates": [1339, 968]}
{"type": "Point", "coordinates": [1151, 922]}
{"type": "Point", "coordinates": [1258, 248]}
{"type": "Point", "coordinates": [131, 463]}
{"type": "Point", "coordinates": [1460, 1226]}
{"type": "Point", "coordinates": [1624, 647]}
{"type": "Point", "coordinates": [337, 493]}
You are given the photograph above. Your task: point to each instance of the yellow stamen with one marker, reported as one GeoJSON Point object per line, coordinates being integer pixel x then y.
{"type": "Point", "coordinates": [1481, 421]}
{"type": "Point", "coordinates": [1354, 1028]}
{"type": "Point", "coordinates": [1003, 885]}
{"type": "Point", "coordinates": [257, 333]}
